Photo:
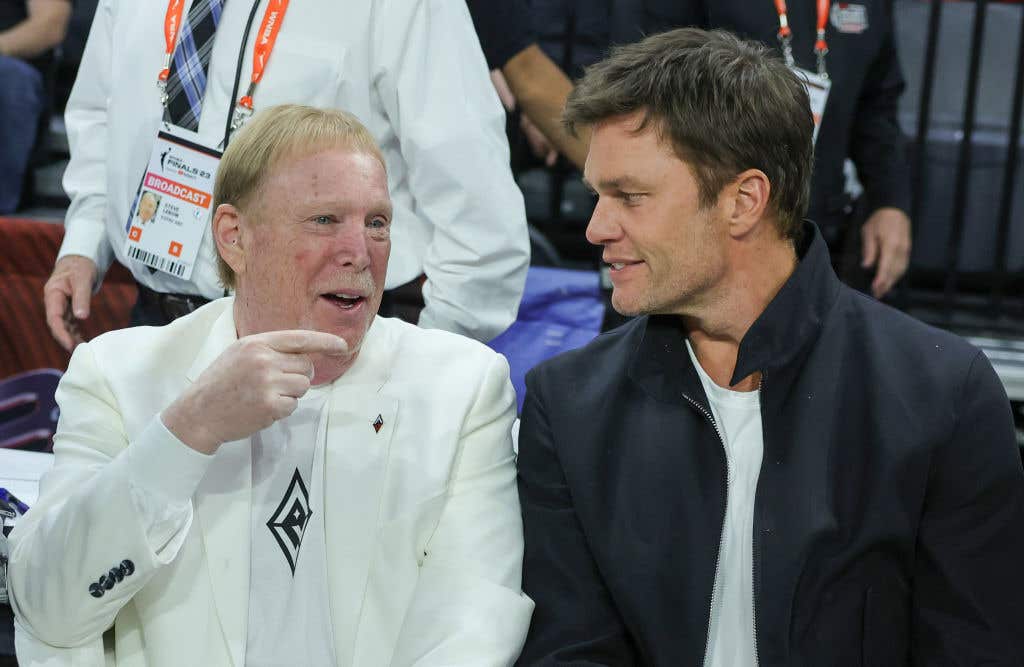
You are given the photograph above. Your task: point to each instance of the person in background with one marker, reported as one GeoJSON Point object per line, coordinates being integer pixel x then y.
{"type": "Point", "coordinates": [280, 477]}
{"type": "Point", "coordinates": [413, 72]}
{"type": "Point", "coordinates": [29, 30]}
{"type": "Point", "coordinates": [870, 238]}
{"type": "Point", "coordinates": [525, 77]}
{"type": "Point", "coordinates": [765, 466]}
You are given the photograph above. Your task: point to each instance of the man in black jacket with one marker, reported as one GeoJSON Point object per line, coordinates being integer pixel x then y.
{"type": "Point", "coordinates": [870, 238]}
{"type": "Point", "coordinates": [766, 466]}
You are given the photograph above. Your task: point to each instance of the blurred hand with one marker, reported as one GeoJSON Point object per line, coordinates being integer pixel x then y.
{"type": "Point", "coordinates": [508, 100]}
{"type": "Point", "coordinates": [256, 381]}
{"type": "Point", "coordinates": [66, 297]}
{"type": "Point", "coordinates": [886, 241]}
{"type": "Point", "coordinates": [539, 144]}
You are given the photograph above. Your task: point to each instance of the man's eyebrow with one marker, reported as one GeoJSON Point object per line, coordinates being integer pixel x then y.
{"type": "Point", "coordinates": [621, 183]}
{"type": "Point", "coordinates": [385, 207]}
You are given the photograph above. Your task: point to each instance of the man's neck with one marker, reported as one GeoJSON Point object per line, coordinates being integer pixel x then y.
{"type": "Point", "coordinates": [757, 272]}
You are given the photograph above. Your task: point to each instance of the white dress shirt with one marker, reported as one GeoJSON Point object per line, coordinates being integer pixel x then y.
{"type": "Point", "coordinates": [411, 71]}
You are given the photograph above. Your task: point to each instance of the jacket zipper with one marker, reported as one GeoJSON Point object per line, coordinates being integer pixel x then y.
{"type": "Point", "coordinates": [754, 541]}
{"type": "Point", "coordinates": [721, 536]}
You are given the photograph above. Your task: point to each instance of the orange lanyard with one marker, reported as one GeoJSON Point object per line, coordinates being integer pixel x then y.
{"type": "Point", "coordinates": [785, 34]}
{"type": "Point", "coordinates": [172, 25]}
{"type": "Point", "coordinates": [273, 17]}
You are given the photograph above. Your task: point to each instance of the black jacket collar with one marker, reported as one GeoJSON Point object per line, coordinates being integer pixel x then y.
{"type": "Point", "coordinates": [778, 338]}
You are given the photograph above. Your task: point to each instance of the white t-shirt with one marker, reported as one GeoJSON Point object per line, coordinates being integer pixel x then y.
{"type": "Point", "coordinates": [289, 605]}
{"type": "Point", "coordinates": [731, 639]}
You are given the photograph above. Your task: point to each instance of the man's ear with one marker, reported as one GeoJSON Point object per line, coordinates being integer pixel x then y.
{"type": "Point", "coordinates": [747, 203]}
{"type": "Point", "coordinates": [227, 233]}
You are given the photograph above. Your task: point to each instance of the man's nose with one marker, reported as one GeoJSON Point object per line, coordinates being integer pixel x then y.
{"type": "Point", "coordinates": [351, 246]}
{"type": "Point", "coordinates": [602, 227]}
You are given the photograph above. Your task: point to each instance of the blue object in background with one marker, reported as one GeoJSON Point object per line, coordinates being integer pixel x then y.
{"type": "Point", "coordinates": [560, 311]}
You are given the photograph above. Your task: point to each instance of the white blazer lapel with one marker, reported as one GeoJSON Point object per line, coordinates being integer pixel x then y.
{"type": "Point", "coordinates": [223, 508]}
{"type": "Point", "coordinates": [361, 422]}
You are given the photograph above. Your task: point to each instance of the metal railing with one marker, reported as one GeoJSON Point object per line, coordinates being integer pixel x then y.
{"type": "Point", "coordinates": [983, 293]}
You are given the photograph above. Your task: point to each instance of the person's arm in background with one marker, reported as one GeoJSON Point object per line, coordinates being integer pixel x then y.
{"type": "Point", "coordinates": [877, 148]}
{"type": "Point", "coordinates": [526, 77]}
{"type": "Point", "coordinates": [540, 88]}
{"type": "Point", "coordinates": [433, 84]}
{"type": "Point", "coordinates": [85, 252]}
{"type": "Point", "coordinates": [44, 29]}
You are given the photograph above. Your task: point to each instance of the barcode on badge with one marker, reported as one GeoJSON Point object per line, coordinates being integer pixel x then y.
{"type": "Point", "coordinates": [157, 262]}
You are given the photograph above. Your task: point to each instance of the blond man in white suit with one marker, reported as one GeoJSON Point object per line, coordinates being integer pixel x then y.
{"type": "Point", "coordinates": [281, 477]}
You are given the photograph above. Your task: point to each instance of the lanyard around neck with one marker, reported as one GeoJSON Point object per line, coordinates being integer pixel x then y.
{"type": "Point", "coordinates": [785, 34]}
{"type": "Point", "coordinates": [273, 17]}
{"type": "Point", "coordinates": [172, 26]}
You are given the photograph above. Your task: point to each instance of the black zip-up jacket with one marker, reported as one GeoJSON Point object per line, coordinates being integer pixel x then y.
{"type": "Point", "coordinates": [889, 513]}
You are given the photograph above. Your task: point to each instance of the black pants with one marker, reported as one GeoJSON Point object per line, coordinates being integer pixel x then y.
{"type": "Point", "coordinates": [404, 302]}
{"type": "Point", "coordinates": [156, 309]}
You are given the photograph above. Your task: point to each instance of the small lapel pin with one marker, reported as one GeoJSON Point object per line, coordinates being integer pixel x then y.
{"type": "Point", "coordinates": [377, 423]}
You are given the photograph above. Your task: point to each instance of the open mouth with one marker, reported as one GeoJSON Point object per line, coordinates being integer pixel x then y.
{"type": "Point", "coordinates": [344, 301]}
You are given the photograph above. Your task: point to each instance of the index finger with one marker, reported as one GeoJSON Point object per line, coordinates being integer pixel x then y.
{"type": "Point", "coordinates": [303, 342]}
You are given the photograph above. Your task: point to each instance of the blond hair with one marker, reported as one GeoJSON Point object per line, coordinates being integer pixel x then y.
{"type": "Point", "coordinates": [272, 136]}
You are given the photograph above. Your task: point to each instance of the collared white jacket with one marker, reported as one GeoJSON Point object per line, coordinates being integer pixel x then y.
{"type": "Point", "coordinates": [411, 70]}
{"type": "Point", "coordinates": [423, 532]}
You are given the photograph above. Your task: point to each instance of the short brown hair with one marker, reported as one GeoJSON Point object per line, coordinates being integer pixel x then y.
{"type": "Point", "coordinates": [727, 105]}
{"type": "Point", "coordinates": [272, 136]}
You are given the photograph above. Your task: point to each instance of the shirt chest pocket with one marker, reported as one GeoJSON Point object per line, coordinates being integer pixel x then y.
{"type": "Point", "coordinates": [301, 70]}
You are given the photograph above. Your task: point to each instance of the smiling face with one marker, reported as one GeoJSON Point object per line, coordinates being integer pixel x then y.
{"type": "Point", "coordinates": [314, 250]}
{"type": "Point", "coordinates": [666, 252]}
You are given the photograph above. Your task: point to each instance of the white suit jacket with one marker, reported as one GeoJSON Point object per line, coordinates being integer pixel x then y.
{"type": "Point", "coordinates": [423, 532]}
{"type": "Point", "coordinates": [411, 70]}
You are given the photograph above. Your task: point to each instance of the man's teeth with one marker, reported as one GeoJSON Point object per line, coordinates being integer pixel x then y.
{"type": "Point", "coordinates": [617, 265]}
{"type": "Point", "coordinates": [346, 296]}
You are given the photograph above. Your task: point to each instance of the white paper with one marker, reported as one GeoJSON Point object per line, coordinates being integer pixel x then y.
{"type": "Point", "coordinates": [20, 472]}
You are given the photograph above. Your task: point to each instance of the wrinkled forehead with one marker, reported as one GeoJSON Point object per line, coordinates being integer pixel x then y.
{"type": "Point", "coordinates": [342, 177]}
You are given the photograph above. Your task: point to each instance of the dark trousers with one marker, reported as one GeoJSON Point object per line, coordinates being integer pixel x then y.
{"type": "Point", "coordinates": [155, 309]}
{"type": "Point", "coordinates": [21, 103]}
{"type": "Point", "coordinates": [404, 302]}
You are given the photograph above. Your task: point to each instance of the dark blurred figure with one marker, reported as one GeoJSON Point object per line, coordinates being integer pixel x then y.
{"type": "Point", "coordinates": [859, 120]}
{"type": "Point", "coordinates": [526, 77]}
{"type": "Point", "coordinates": [29, 29]}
